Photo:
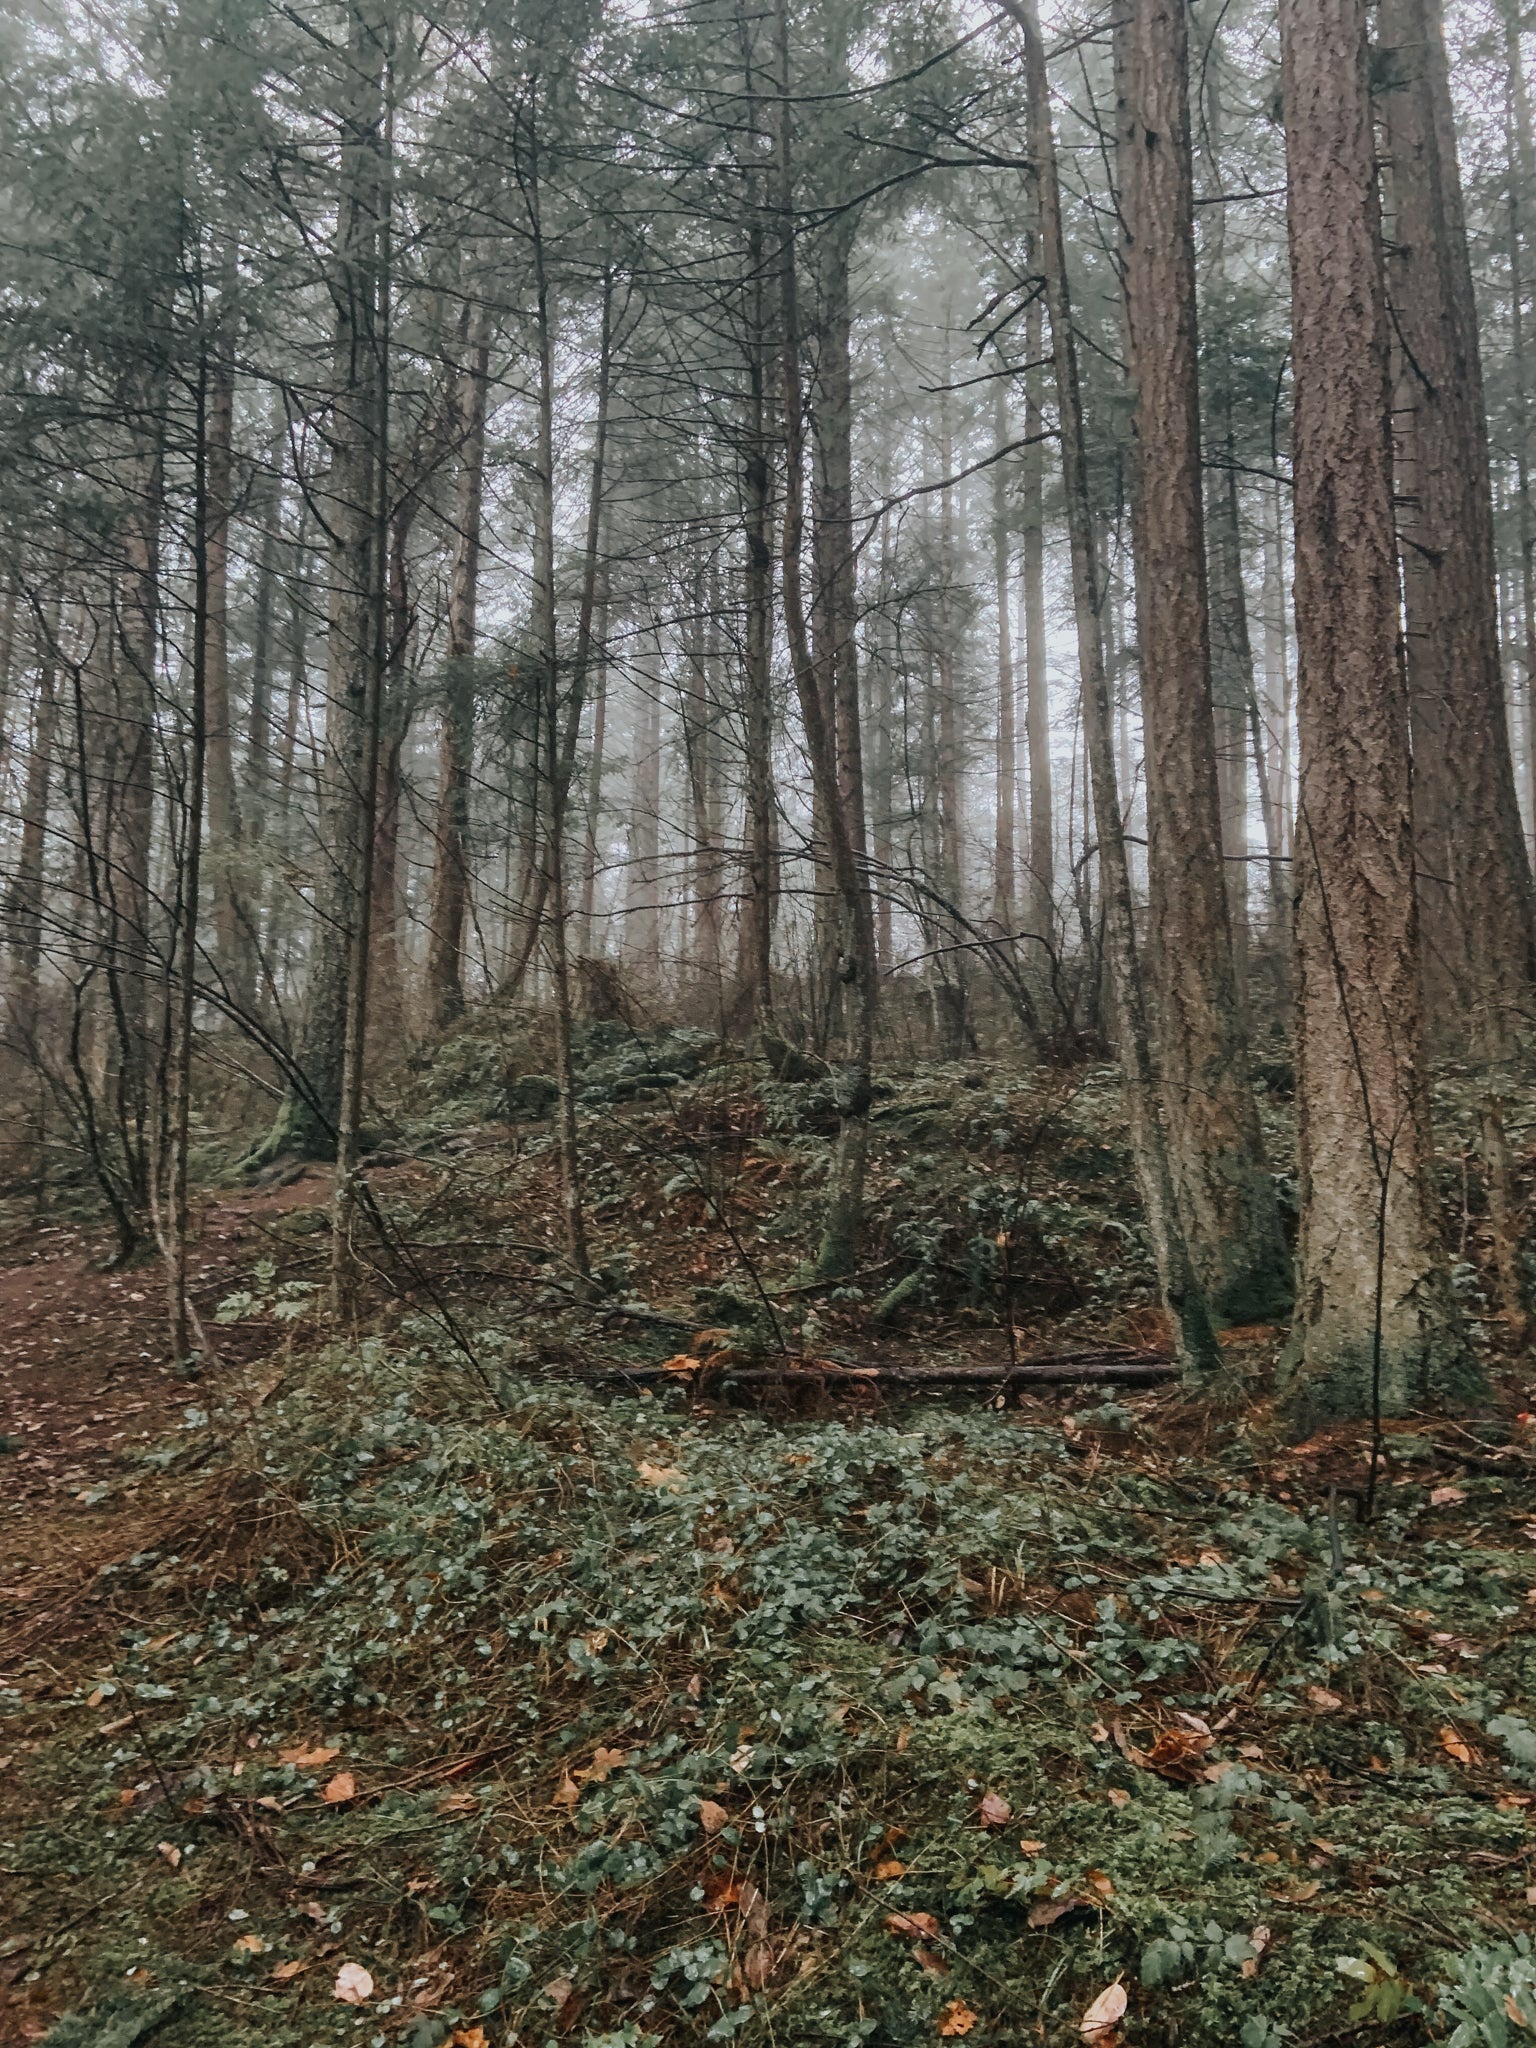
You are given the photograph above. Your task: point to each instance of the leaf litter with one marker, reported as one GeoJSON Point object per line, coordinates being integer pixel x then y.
{"type": "Point", "coordinates": [643, 1698]}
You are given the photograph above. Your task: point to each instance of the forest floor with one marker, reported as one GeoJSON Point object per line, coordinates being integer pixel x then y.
{"type": "Point", "coordinates": [421, 1684]}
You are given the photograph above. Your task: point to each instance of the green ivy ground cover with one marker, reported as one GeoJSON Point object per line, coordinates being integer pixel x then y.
{"type": "Point", "coordinates": [559, 1720]}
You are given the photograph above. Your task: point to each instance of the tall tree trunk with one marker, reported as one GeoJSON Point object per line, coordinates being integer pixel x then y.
{"type": "Point", "coordinates": [1004, 859]}
{"type": "Point", "coordinates": [124, 871]}
{"type": "Point", "coordinates": [24, 899]}
{"type": "Point", "coordinates": [1376, 1329]}
{"type": "Point", "coordinates": [352, 504]}
{"type": "Point", "coordinates": [358, 643]}
{"type": "Point", "coordinates": [1521, 171]}
{"type": "Point", "coordinates": [387, 1000]}
{"type": "Point", "coordinates": [1480, 921]}
{"type": "Point", "coordinates": [232, 930]}
{"type": "Point", "coordinates": [1225, 1195]}
{"type": "Point", "coordinates": [456, 729]}
{"type": "Point", "coordinates": [209, 560]}
{"type": "Point", "coordinates": [596, 760]}
{"type": "Point", "coordinates": [1037, 700]}
{"type": "Point", "coordinates": [699, 711]}
{"type": "Point", "coordinates": [642, 893]}
{"type": "Point", "coordinates": [1476, 905]}
{"type": "Point", "coordinates": [1232, 690]}
{"type": "Point", "coordinates": [258, 751]}
{"type": "Point", "coordinates": [1176, 1275]}
{"type": "Point", "coordinates": [555, 768]}
{"type": "Point", "coordinates": [856, 962]}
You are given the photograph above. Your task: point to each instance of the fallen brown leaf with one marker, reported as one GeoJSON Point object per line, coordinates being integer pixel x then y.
{"type": "Point", "coordinates": [956, 2019]}
{"type": "Point", "coordinates": [340, 1789]}
{"type": "Point", "coordinates": [911, 1926]}
{"type": "Point", "coordinates": [1453, 1745]}
{"type": "Point", "coordinates": [1099, 2023]}
{"type": "Point", "coordinates": [995, 1810]}
{"type": "Point", "coordinates": [1177, 1755]}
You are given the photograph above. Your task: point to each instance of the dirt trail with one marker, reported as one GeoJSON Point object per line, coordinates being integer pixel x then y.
{"type": "Point", "coordinates": [86, 1379]}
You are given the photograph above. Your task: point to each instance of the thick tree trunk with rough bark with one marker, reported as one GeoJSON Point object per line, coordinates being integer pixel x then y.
{"type": "Point", "coordinates": [1225, 1194]}
{"type": "Point", "coordinates": [1376, 1325]}
{"type": "Point", "coordinates": [1475, 895]}
{"type": "Point", "coordinates": [1177, 1278]}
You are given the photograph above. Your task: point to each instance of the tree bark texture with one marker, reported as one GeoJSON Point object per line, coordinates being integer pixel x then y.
{"type": "Point", "coordinates": [1177, 1278]}
{"type": "Point", "coordinates": [1474, 878]}
{"type": "Point", "coordinates": [1225, 1194]}
{"type": "Point", "coordinates": [1376, 1326]}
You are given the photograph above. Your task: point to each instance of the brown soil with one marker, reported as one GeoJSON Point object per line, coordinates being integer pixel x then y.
{"type": "Point", "coordinates": [87, 1380]}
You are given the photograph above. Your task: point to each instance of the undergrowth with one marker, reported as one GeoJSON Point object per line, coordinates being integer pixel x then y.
{"type": "Point", "coordinates": [552, 1719]}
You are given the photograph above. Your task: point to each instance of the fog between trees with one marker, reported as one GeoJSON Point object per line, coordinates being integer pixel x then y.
{"type": "Point", "coordinates": [884, 531]}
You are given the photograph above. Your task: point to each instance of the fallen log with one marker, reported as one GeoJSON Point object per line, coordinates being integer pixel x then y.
{"type": "Point", "coordinates": [1099, 1367]}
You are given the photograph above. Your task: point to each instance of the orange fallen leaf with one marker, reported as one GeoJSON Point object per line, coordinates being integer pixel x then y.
{"type": "Point", "coordinates": [1118, 1796]}
{"type": "Point", "coordinates": [354, 1984]}
{"type": "Point", "coordinates": [929, 1961]}
{"type": "Point", "coordinates": [284, 1973]}
{"type": "Point", "coordinates": [911, 1926]}
{"type": "Point", "coordinates": [569, 1792]}
{"type": "Point", "coordinates": [712, 1816]}
{"type": "Point", "coordinates": [1446, 1497]}
{"type": "Point", "coordinates": [956, 2019]}
{"type": "Point", "coordinates": [1099, 2022]}
{"type": "Point", "coordinates": [902, 1739]}
{"type": "Point", "coordinates": [308, 1759]}
{"type": "Point", "coordinates": [1029, 1848]}
{"type": "Point", "coordinates": [250, 1944]}
{"type": "Point", "coordinates": [603, 1764]}
{"type": "Point", "coordinates": [995, 1810]}
{"type": "Point", "coordinates": [468, 2037]}
{"type": "Point", "coordinates": [1177, 1755]}
{"type": "Point", "coordinates": [171, 1854]}
{"type": "Point", "coordinates": [457, 1802]}
{"type": "Point", "coordinates": [1324, 1701]}
{"type": "Point", "coordinates": [340, 1789]}
{"type": "Point", "coordinates": [682, 1361]}
{"type": "Point", "coordinates": [1099, 1882]}
{"type": "Point", "coordinates": [667, 1477]}
{"type": "Point", "coordinates": [890, 1867]}
{"type": "Point", "coordinates": [1299, 1894]}
{"type": "Point", "coordinates": [1453, 1745]}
